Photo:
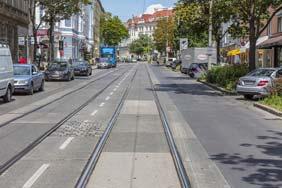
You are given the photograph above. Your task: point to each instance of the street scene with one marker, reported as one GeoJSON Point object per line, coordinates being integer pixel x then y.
{"type": "Point", "coordinates": [140, 94]}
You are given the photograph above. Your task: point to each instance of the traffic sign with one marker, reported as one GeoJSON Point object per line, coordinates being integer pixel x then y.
{"type": "Point", "coordinates": [183, 44]}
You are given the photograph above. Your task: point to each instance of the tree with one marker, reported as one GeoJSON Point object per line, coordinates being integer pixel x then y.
{"type": "Point", "coordinates": [55, 11]}
{"type": "Point", "coordinates": [164, 34]}
{"type": "Point", "coordinates": [253, 17]}
{"type": "Point", "coordinates": [113, 31]}
{"type": "Point", "coordinates": [141, 46]}
{"type": "Point", "coordinates": [194, 16]}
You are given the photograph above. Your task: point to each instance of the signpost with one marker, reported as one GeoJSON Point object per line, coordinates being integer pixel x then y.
{"type": "Point", "coordinates": [183, 44]}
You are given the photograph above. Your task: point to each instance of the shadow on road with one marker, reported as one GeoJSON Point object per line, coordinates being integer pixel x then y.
{"type": "Point", "coordinates": [190, 89]}
{"type": "Point", "coordinates": [267, 171]}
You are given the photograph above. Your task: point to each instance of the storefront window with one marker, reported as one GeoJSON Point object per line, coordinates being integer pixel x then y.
{"type": "Point", "coordinates": [279, 57]}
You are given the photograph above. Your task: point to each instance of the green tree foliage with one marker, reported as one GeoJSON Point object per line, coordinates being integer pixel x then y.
{"type": "Point", "coordinates": [141, 46]}
{"type": "Point", "coordinates": [252, 18]}
{"type": "Point", "coordinates": [193, 20]}
{"type": "Point", "coordinates": [113, 31]}
{"type": "Point", "coordinates": [164, 33]}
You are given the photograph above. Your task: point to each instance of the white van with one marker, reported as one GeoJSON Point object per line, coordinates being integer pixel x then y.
{"type": "Point", "coordinates": [6, 73]}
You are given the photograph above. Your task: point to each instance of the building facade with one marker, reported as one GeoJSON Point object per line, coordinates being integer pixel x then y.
{"type": "Point", "coordinates": [146, 23]}
{"type": "Point", "coordinates": [13, 23]}
{"type": "Point", "coordinates": [80, 33]}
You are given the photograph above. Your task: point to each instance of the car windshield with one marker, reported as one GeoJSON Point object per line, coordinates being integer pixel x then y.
{"type": "Point", "coordinates": [79, 63]}
{"type": "Point", "coordinates": [22, 71]}
{"type": "Point", "coordinates": [262, 72]}
{"type": "Point", "coordinates": [58, 66]}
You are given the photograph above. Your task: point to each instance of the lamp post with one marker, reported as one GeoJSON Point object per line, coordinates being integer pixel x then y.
{"type": "Point", "coordinates": [210, 36]}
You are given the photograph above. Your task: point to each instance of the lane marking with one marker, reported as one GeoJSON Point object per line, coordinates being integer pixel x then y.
{"type": "Point", "coordinates": [115, 89]}
{"type": "Point", "coordinates": [36, 175]}
{"type": "Point", "coordinates": [102, 104]}
{"type": "Point", "coordinates": [66, 143]}
{"type": "Point", "coordinates": [107, 98]}
{"type": "Point", "coordinates": [111, 93]}
{"type": "Point", "coordinates": [94, 112]}
{"type": "Point", "coordinates": [117, 86]}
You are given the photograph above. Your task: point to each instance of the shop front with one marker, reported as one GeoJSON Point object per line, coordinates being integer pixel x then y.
{"type": "Point", "coordinates": [274, 47]}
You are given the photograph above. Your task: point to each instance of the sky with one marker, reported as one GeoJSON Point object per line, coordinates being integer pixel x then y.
{"type": "Point", "coordinates": [126, 8]}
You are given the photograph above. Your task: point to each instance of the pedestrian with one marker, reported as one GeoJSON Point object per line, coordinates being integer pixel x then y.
{"type": "Point", "coordinates": [22, 60]}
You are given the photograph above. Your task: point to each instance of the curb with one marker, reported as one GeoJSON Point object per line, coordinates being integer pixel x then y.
{"type": "Point", "coordinates": [213, 86]}
{"type": "Point", "coordinates": [268, 109]}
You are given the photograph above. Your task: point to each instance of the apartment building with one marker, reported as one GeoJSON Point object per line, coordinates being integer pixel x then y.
{"type": "Point", "coordinates": [13, 22]}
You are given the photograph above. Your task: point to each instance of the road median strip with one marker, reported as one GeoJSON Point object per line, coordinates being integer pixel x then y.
{"type": "Point", "coordinates": [217, 88]}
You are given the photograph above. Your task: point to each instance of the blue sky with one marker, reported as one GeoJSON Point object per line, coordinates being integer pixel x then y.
{"type": "Point", "coordinates": [126, 8]}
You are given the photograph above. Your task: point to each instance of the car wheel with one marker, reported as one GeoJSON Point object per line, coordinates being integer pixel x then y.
{"type": "Point", "coordinates": [72, 78]}
{"type": "Point", "coordinates": [31, 90]}
{"type": "Point", "coordinates": [8, 96]}
{"type": "Point", "coordinates": [42, 86]}
{"type": "Point", "coordinates": [192, 75]}
{"type": "Point", "coordinates": [248, 97]}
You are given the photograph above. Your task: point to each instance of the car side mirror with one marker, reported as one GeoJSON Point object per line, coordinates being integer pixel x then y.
{"type": "Point", "coordinates": [34, 73]}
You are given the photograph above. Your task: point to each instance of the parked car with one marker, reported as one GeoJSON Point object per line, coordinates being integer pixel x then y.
{"type": "Point", "coordinates": [6, 73]}
{"type": "Point", "coordinates": [196, 70]}
{"type": "Point", "coordinates": [175, 64]}
{"type": "Point", "coordinates": [59, 70]}
{"type": "Point", "coordinates": [104, 63]}
{"type": "Point", "coordinates": [258, 82]}
{"type": "Point", "coordinates": [28, 78]}
{"type": "Point", "coordinates": [82, 68]}
{"type": "Point", "coordinates": [169, 62]}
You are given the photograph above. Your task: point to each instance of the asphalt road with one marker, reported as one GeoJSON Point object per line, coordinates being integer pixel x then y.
{"type": "Point", "coordinates": [245, 143]}
{"type": "Point", "coordinates": [20, 100]}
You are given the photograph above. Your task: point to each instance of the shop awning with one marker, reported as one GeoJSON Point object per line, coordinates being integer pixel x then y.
{"type": "Point", "coordinates": [234, 52]}
{"type": "Point", "coordinates": [259, 41]}
{"type": "Point", "coordinates": [272, 42]}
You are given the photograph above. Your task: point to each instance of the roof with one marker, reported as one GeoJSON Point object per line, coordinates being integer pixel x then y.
{"type": "Point", "coordinates": [148, 18]}
{"type": "Point", "coordinates": [272, 42]}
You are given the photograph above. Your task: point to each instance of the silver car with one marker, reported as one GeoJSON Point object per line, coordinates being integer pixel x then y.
{"type": "Point", "coordinates": [28, 79]}
{"type": "Point", "coordinates": [259, 82]}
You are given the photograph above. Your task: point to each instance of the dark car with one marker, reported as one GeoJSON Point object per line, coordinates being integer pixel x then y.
{"type": "Point", "coordinates": [82, 68]}
{"type": "Point", "coordinates": [175, 63]}
{"type": "Point", "coordinates": [196, 70]}
{"type": "Point", "coordinates": [28, 79]}
{"type": "Point", "coordinates": [59, 70]}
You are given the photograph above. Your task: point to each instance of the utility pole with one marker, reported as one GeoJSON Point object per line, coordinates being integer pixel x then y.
{"type": "Point", "coordinates": [210, 36]}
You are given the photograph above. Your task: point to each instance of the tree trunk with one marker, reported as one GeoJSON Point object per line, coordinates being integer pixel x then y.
{"type": "Point", "coordinates": [253, 41]}
{"type": "Point", "coordinates": [218, 51]}
{"type": "Point", "coordinates": [51, 41]}
{"type": "Point", "coordinates": [35, 45]}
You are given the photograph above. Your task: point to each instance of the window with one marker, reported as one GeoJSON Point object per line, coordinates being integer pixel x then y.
{"type": "Point", "coordinates": [68, 23]}
{"type": "Point", "coordinates": [269, 30]}
{"type": "Point", "coordinates": [280, 24]}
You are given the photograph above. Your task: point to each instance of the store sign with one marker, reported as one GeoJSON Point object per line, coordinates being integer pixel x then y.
{"type": "Point", "coordinates": [183, 44]}
{"type": "Point", "coordinates": [21, 41]}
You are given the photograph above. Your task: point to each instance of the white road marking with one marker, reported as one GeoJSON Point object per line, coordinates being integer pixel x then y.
{"type": "Point", "coordinates": [94, 112]}
{"type": "Point", "coordinates": [115, 89]}
{"type": "Point", "coordinates": [102, 104]}
{"type": "Point", "coordinates": [35, 176]}
{"type": "Point", "coordinates": [111, 93]}
{"type": "Point", "coordinates": [117, 86]}
{"type": "Point", "coordinates": [66, 143]}
{"type": "Point", "coordinates": [107, 98]}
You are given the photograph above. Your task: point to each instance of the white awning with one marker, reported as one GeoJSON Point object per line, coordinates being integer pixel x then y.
{"type": "Point", "coordinates": [259, 41]}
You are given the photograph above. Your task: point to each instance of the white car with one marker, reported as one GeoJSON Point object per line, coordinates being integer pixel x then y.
{"type": "Point", "coordinates": [6, 73]}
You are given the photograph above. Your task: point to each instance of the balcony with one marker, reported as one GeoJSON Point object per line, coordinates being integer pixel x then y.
{"type": "Point", "coordinates": [13, 14]}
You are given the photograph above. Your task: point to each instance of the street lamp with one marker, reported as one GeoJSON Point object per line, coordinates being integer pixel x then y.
{"type": "Point", "coordinates": [210, 37]}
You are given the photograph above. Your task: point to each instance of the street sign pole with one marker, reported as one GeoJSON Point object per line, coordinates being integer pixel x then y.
{"type": "Point", "coordinates": [210, 36]}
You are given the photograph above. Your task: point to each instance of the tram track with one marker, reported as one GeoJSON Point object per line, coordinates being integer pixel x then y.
{"type": "Point", "coordinates": [6, 165]}
{"type": "Point", "coordinates": [55, 100]}
{"type": "Point", "coordinates": [94, 158]}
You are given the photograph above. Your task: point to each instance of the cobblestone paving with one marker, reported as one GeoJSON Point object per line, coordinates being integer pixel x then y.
{"type": "Point", "coordinates": [80, 128]}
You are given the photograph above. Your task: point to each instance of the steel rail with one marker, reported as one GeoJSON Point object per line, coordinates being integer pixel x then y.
{"type": "Point", "coordinates": [53, 101]}
{"type": "Point", "coordinates": [27, 149]}
{"type": "Point", "coordinates": [93, 160]}
{"type": "Point", "coordinates": [182, 175]}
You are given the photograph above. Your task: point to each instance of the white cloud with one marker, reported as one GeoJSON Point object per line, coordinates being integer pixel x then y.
{"type": "Point", "coordinates": [152, 8]}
